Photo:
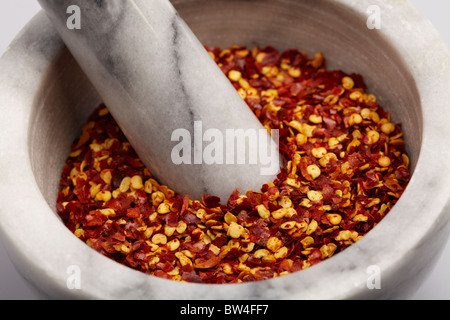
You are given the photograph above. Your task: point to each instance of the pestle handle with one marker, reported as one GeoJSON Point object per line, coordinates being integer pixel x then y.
{"type": "Point", "coordinates": [168, 96]}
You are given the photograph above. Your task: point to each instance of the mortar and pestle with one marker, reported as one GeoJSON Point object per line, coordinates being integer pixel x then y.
{"type": "Point", "coordinates": [141, 58]}
{"type": "Point", "coordinates": [156, 78]}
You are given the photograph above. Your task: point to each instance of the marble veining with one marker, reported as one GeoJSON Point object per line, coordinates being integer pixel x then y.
{"type": "Point", "coordinates": [179, 82]}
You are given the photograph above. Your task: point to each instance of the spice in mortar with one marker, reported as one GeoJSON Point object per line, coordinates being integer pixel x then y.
{"type": "Point", "coordinates": [345, 169]}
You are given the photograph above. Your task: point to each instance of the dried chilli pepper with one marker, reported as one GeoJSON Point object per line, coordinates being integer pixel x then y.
{"type": "Point", "coordinates": [345, 170]}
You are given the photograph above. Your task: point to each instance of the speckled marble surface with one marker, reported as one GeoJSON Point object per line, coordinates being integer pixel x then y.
{"type": "Point", "coordinates": [344, 276]}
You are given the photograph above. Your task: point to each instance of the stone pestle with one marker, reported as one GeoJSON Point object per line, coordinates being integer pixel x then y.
{"type": "Point", "coordinates": [179, 111]}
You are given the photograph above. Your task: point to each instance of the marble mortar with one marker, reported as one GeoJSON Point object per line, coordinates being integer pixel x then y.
{"type": "Point", "coordinates": [45, 98]}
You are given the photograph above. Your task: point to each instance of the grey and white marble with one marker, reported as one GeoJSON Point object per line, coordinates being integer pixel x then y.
{"type": "Point", "coordinates": [156, 77]}
{"type": "Point", "coordinates": [45, 98]}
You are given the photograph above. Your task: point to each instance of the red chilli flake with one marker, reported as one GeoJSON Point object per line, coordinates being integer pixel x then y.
{"type": "Point", "coordinates": [345, 169]}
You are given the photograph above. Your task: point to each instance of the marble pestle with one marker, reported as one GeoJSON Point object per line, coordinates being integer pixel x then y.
{"type": "Point", "coordinates": [180, 113]}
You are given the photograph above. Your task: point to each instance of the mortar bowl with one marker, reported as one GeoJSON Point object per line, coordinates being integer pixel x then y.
{"type": "Point", "coordinates": [45, 99]}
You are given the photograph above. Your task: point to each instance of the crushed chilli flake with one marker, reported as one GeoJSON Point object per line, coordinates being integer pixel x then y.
{"type": "Point", "coordinates": [345, 169]}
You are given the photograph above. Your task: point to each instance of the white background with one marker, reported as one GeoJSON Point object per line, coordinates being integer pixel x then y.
{"type": "Point", "coordinates": [14, 14]}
